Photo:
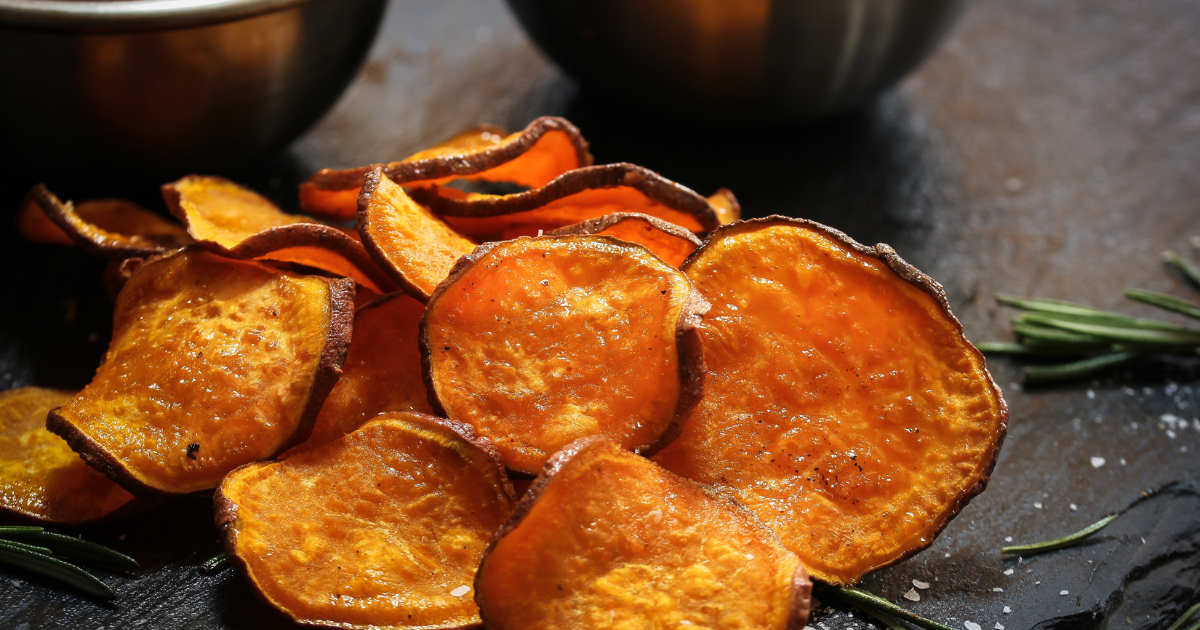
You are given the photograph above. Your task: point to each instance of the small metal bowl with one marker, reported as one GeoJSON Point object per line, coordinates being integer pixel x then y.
{"type": "Point", "coordinates": [167, 87]}
{"type": "Point", "coordinates": [737, 61]}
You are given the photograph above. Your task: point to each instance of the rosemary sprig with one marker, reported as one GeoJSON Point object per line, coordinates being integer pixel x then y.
{"type": "Point", "coordinates": [55, 569]}
{"type": "Point", "coordinates": [215, 564]}
{"type": "Point", "coordinates": [1189, 268]}
{"type": "Point", "coordinates": [20, 546]}
{"type": "Point", "coordinates": [1134, 330]}
{"type": "Point", "coordinates": [1162, 300]}
{"type": "Point", "coordinates": [1065, 541]}
{"type": "Point", "coordinates": [75, 548]}
{"type": "Point", "coordinates": [1042, 374]}
{"type": "Point", "coordinates": [1187, 614]}
{"type": "Point", "coordinates": [32, 548]}
{"type": "Point", "coordinates": [875, 604]}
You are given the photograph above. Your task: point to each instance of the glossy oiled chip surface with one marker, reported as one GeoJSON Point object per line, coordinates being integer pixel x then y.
{"type": "Point", "coordinates": [843, 404]}
{"type": "Point", "coordinates": [381, 529]}
{"type": "Point", "coordinates": [608, 539]}
{"type": "Point", "coordinates": [414, 247]}
{"type": "Point", "coordinates": [113, 228]}
{"type": "Point", "coordinates": [40, 476]}
{"type": "Point", "coordinates": [232, 357]}
{"type": "Point", "coordinates": [537, 342]}
{"type": "Point", "coordinates": [668, 241]}
{"type": "Point", "coordinates": [382, 370]}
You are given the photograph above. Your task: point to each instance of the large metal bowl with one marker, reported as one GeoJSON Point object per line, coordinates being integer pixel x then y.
{"type": "Point", "coordinates": [170, 86]}
{"type": "Point", "coordinates": [738, 60]}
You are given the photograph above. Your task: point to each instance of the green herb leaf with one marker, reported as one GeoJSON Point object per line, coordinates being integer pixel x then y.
{"type": "Point", "coordinates": [17, 529]}
{"type": "Point", "coordinates": [1053, 335]}
{"type": "Point", "coordinates": [1179, 337]}
{"type": "Point", "coordinates": [1041, 374]}
{"type": "Point", "coordinates": [1189, 268]}
{"type": "Point", "coordinates": [76, 548]}
{"type": "Point", "coordinates": [1065, 541]}
{"type": "Point", "coordinates": [215, 564]}
{"type": "Point", "coordinates": [1048, 306]}
{"type": "Point", "coordinates": [26, 547]}
{"type": "Point", "coordinates": [1002, 347]}
{"type": "Point", "coordinates": [1112, 320]}
{"type": "Point", "coordinates": [1162, 300]}
{"type": "Point", "coordinates": [55, 569]}
{"type": "Point", "coordinates": [875, 604]}
{"type": "Point", "coordinates": [1186, 615]}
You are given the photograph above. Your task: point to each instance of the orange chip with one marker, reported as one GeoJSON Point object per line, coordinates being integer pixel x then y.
{"type": "Point", "coordinates": [537, 342]}
{"type": "Point", "coordinates": [545, 149]}
{"type": "Point", "coordinates": [607, 539]}
{"type": "Point", "coordinates": [112, 228]}
{"type": "Point", "coordinates": [727, 206]}
{"type": "Point", "coordinates": [118, 272]}
{"type": "Point", "coordinates": [239, 223]}
{"type": "Point", "coordinates": [575, 196]}
{"type": "Point", "coordinates": [382, 370]}
{"type": "Point", "coordinates": [670, 242]}
{"type": "Point", "coordinates": [383, 528]}
{"type": "Point", "coordinates": [41, 479]}
{"type": "Point", "coordinates": [213, 363]}
{"type": "Point", "coordinates": [843, 403]}
{"type": "Point", "coordinates": [414, 247]}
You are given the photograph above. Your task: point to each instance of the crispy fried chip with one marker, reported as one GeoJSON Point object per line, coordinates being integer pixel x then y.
{"type": "Point", "coordinates": [382, 370]}
{"type": "Point", "coordinates": [381, 529]}
{"type": "Point", "coordinates": [537, 342]}
{"type": "Point", "coordinates": [112, 228]}
{"type": "Point", "coordinates": [40, 477]}
{"type": "Point", "coordinates": [843, 403]}
{"type": "Point", "coordinates": [117, 272]}
{"type": "Point", "coordinates": [239, 223]}
{"type": "Point", "coordinates": [214, 363]}
{"type": "Point", "coordinates": [414, 247]}
{"type": "Point", "coordinates": [545, 149]}
{"type": "Point", "coordinates": [578, 195]}
{"type": "Point", "coordinates": [607, 539]}
{"type": "Point", "coordinates": [727, 206]}
{"type": "Point", "coordinates": [672, 243]}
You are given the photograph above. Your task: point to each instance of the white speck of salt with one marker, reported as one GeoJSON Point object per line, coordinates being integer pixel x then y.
{"type": "Point", "coordinates": [1037, 504]}
{"type": "Point", "coordinates": [947, 554]}
{"type": "Point", "coordinates": [655, 516]}
{"type": "Point", "coordinates": [1122, 461]}
{"type": "Point", "coordinates": [1170, 434]}
{"type": "Point", "coordinates": [997, 589]}
{"type": "Point", "coordinates": [921, 585]}
{"type": "Point", "coordinates": [1007, 610]}
{"type": "Point", "coordinates": [1008, 571]}
{"type": "Point", "coordinates": [1008, 539]}
{"type": "Point", "coordinates": [912, 595]}
{"type": "Point", "coordinates": [749, 556]}
{"type": "Point", "coordinates": [971, 625]}
{"type": "Point", "coordinates": [1091, 395]}
{"type": "Point", "coordinates": [1037, 582]}
{"type": "Point", "coordinates": [1097, 462]}
{"type": "Point", "coordinates": [460, 591]}
{"type": "Point", "coordinates": [1064, 592]}
{"type": "Point", "coordinates": [539, 232]}
{"type": "Point", "coordinates": [15, 582]}
{"type": "Point", "coordinates": [998, 626]}
{"type": "Point", "coordinates": [1074, 507]}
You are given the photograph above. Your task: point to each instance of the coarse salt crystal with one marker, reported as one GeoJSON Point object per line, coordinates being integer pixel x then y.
{"type": "Point", "coordinates": [460, 591]}
{"type": "Point", "coordinates": [1097, 462]}
{"type": "Point", "coordinates": [1008, 571]}
{"type": "Point", "coordinates": [1037, 504]}
{"type": "Point", "coordinates": [1074, 507]}
{"type": "Point", "coordinates": [1008, 539]}
{"type": "Point", "coordinates": [971, 625]}
{"type": "Point", "coordinates": [1007, 610]}
{"type": "Point", "coordinates": [15, 582]}
{"type": "Point", "coordinates": [1064, 592]}
{"type": "Point", "coordinates": [997, 589]}
{"type": "Point", "coordinates": [912, 595]}
{"type": "Point", "coordinates": [947, 555]}
{"type": "Point", "coordinates": [1170, 434]}
{"type": "Point", "coordinates": [921, 585]}
{"type": "Point", "coordinates": [1091, 395]}
{"type": "Point", "coordinates": [998, 626]}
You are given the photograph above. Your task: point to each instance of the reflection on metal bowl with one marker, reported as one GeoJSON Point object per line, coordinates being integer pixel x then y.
{"type": "Point", "coordinates": [738, 60]}
{"type": "Point", "coordinates": [170, 86]}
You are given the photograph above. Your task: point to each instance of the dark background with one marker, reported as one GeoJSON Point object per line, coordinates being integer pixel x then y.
{"type": "Point", "coordinates": [1050, 148]}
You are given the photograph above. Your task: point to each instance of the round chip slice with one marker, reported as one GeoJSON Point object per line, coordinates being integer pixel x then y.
{"type": "Point", "coordinates": [537, 342]}
{"type": "Point", "coordinates": [41, 479]}
{"type": "Point", "coordinates": [670, 242]}
{"type": "Point", "coordinates": [843, 403]}
{"type": "Point", "coordinates": [608, 539]}
{"type": "Point", "coordinates": [383, 528]}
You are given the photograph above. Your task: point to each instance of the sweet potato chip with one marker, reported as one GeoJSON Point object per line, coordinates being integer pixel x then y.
{"type": "Point", "coordinates": [575, 196]}
{"type": "Point", "coordinates": [414, 247]}
{"type": "Point", "coordinates": [239, 223]}
{"type": "Point", "coordinates": [608, 539]}
{"type": "Point", "coordinates": [112, 228]}
{"type": "Point", "coordinates": [545, 149]}
{"type": "Point", "coordinates": [213, 363]}
{"type": "Point", "coordinates": [537, 342]}
{"type": "Point", "coordinates": [670, 242]}
{"type": "Point", "coordinates": [382, 370]}
{"type": "Point", "coordinates": [41, 479]}
{"type": "Point", "coordinates": [843, 403]}
{"type": "Point", "coordinates": [727, 206]}
{"type": "Point", "coordinates": [383, 528]}
{"type": "Point", "coordinates": [118, 272]}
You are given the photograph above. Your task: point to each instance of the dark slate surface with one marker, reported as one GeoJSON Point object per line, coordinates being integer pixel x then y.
{"type": "Point", "coordinates": [1050, 148]}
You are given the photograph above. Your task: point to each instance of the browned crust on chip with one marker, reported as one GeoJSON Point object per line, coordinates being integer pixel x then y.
{"type": "Point", "coordinates": [378, 259]}
{"type": "Point", "coordinates": [329, 369]}
{"type": "Point", "coordinates": [447, 166]}
{"type": "Point", "coordinates": [118, 272]}
{"type": "Point", "coordinates": [919, 279]}
{"type": "Point", "coordinates": [57, 211]}
{"type": "Point", "coordinates": [801, 585]}
{"type": "Point", "coordinates": [599, 224]}
{"type": "Point", "coordinates": [654, 186]}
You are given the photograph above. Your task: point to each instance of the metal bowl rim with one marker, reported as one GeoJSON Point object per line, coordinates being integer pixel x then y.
{"type": "Point", "coordinates": [130, 15]}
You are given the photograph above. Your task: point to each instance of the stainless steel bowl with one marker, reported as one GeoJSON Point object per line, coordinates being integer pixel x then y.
{"type": "Point", "coordinates": [170, 86]}
{"type": "Point", "coordinates": [738, 60]}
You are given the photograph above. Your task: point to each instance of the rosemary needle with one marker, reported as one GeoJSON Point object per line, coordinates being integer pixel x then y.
{"type": "Point", "coordinates": [1041, 374]}
{"type": "Point", "coordinates": [27, 547]}
{"type": "Point", "coordinates": [1187, 614]}
{"type": "Point", "coordinates": [75, 548]}
{"type": "Point", "coordinates": [1065, 541]}
{"type": "Point", "coordinates": [55, 569]}
{"type": "Point", "coordinates": [1189, 268]}
{"type": "Point", "coordinates": [876, 604]}
{"type": "Point", "coordinates": [1162, 300]}
{"type": "Point", "coordinates": [215, 563]}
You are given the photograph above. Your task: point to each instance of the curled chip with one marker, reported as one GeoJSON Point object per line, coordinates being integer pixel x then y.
{"type": "Point", "coordinates": [608, 539]}
{"type": "Point", "coordinates": [727, 206]}
{"type": "Point", "coordinates": [578, 195]}
{"type": "Point", "coordinates": [670, 242]}
{"type": "Point", "coordinates": [843, 403]}
{"type": "Point", "coordinates": [537, 342]}
{"type": "Point", "coordinates": [213, 363]}
{"type": "Point", "coordinates": [239, 223]}
{"type": "Point", "coordinates": [40, 477]}
{"type": "Point", "coordinates": [112, 228]}
{"type": "Point", "coordinates": [381, 529]}
{"type": "Point", "coordinates": [382, 370]}
{"type": "Point", "coordinates": [414, 247]}
{"type": "Point", "coordinates": [545, 149]}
